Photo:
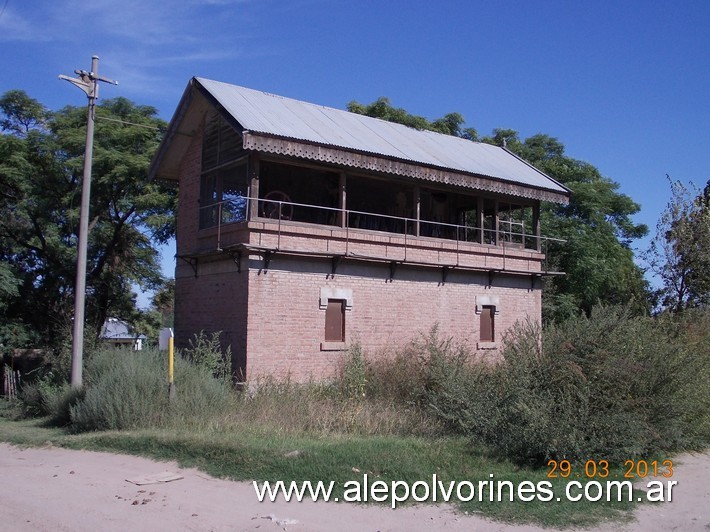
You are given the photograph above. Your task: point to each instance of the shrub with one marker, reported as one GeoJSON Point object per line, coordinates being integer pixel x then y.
{"type": "Point", "coordinates": [124, 390]}
{"type": "Point", "coordinates": [609, 386]}
{"type": "Point", "coordinates": [353, 380]}
{"type": "Point", "coordinates": [395, 376]}
{"type": "Point", "coordinates": [691, 330]}
{"type": "Point", "coordinates": [59, 400]}
{"type": "Point", "coordinates": [410, 374]}
{"type": "Point", "coordinates": [129, 389]}
{"type": "Point", "coordinates": [30, 397]}
{"type": "Point", "coordinates": [46, 397]}
{"type": "Point", "coordinates": [206, 351]}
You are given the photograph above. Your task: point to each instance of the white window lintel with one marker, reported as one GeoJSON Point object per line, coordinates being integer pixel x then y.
{"type": "Point", "coordinates": [487, 301]}
{"type": "Point", "coordinates": [327, 292]}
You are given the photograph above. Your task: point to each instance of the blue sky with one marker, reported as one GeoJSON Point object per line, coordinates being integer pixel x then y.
{"type": "Point", "coordinates": [625, 85]}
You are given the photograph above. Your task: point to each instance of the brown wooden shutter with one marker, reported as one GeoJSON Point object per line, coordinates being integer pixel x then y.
{"type": "Point", "coordinates": [487, 323]}
{"type": "Point", "coordinates": [335, 321]}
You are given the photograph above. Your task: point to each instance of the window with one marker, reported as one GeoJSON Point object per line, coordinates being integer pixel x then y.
{"type": "Point", "coordinates": [487, 323]}
{"type": "Point", "coordinates": [317, 192]}
{"type": "Point", "coordinates": [223, 182]}
{"type": "Point", "coordinates": [487, 308]}
{"type": "Point", "coordinates": [223, 196]}
{"type": "Point", "coordinates": [221, 143]}
{"type": "Point", "coordinates": [335, 302]}
{"type": "Point", "coordinates": [335, 321]}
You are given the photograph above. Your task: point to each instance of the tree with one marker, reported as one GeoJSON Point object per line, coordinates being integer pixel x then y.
{"type": "Point", "coordinates": [597, 228]}
{"type": "Point", "coordinates": [22, 114]}
{"type": "Point", "coordinates": [159, 315]}
{"type": "Point", "coordinates": [41, 165]}
{"type": "Point", "coordinates": [680, 252]}
{"type": "Point", "coordinates": [164, 303]}
{"type": "Point", "coordinates": [597, 224]}
{"type": "Point", "coordinates": [450, 124]}
{"type": "Point", "coordinates": [12, 333]}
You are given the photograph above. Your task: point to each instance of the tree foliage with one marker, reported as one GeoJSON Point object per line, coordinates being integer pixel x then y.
{"type": "Point", "coordinates": [164, 303]}
{"type": "Point", "coordinates": [41, 167]}
{"type": "Point", "coordinates": [597, 227]}
{"type": "Point", "coordinates": [450, 124]}
{"type": "Point", "coordinates": [597, 224]}
{"type": "Point", "coordinates": [680, 252]}
{"type": "Point", "coordinates": [161, 312]}
{"type": "Point", "coordinates": [21, 114]}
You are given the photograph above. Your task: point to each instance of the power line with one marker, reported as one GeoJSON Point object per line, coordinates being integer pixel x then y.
{"type": "Point", "coordinates": [3, 7]}
{"type": "Point", "coordinates": [98, 117]}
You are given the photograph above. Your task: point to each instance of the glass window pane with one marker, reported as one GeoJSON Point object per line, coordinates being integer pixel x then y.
{"type": "Point", "coordinates": [234, 193]}
{"type": "Point", "coordinates": [208, 200]}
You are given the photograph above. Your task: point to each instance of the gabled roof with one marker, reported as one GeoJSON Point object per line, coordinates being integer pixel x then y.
{"type": "Point", "coordinates": [284, 126]}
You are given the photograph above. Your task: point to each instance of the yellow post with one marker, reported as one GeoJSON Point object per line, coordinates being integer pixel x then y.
{"type": "Point", "coordinates": [171, 386]}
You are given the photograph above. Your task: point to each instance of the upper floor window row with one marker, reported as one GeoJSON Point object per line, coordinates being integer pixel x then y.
{"type": "Point", "coordinates": [223, 180]}
{"type": "Point", "coordinates": [221, 143]}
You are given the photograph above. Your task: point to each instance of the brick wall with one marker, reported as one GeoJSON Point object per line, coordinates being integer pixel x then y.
{"type": "Point", "coordinates": [214, 301]}
{"type": "Point", "coordinates": [188, 197]}
{"type": "Point", "coordinates": [286, 323]}
{"type": "Point", "coordinates": [210, 295]}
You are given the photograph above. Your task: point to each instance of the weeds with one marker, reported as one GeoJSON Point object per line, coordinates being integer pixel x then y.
{"type": "Point", "coordinates": [48, 398]}
{"type": "Point", "coordinates": [128, 390]}
{"type": "Point", "coordinates": [206, 351]}
{"type": "Point", "coordinates": [353, 379]}
{"type": "Point", "coordinates": [611, 386]}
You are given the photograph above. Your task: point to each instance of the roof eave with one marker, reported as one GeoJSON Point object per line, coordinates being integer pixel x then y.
{"type": "Point", "coordinates": [569, 191]}
{"type": "Point", "coordinates": [272, 144]}
{"type": "Point", "coordinates": [165, 162]}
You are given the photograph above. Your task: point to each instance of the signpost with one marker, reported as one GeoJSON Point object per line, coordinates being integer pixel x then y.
{"type": "Point", "coordinates": [166, 342]}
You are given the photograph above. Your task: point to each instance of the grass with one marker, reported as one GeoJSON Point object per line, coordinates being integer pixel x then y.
{"type": "Point", "coordinates": [403, 417]}
{"type": "Point", "coordinates": [264, 455]}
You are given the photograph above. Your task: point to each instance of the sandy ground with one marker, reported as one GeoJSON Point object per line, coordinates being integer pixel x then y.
{"type": "Point", "coordinates": [58, 489]}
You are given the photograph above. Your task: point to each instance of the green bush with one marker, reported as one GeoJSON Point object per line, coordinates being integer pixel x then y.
{"type": "Point", "coordinates": [124, 390]}
{"type": "Point", "coordinates": [206, 351]}
{"type": "Point", "coordinates": [411, 374]}
{"type": "Point", "coordinates": [47, 398]}
{"type": "Point", "coordinates": [30, 397]}
{"type": "Point", "coordinates": [610, 386]}
{"type": "Point", "coordinates": [59, 400]}
{"type": "Point", "coordinates": [353, 378]}
{"type": "Point", "coordinates": [129, 389]}
{"type": "Point", "coordinates": [691, 330]}
{"type": "Point", "coordinates": [419, 378]}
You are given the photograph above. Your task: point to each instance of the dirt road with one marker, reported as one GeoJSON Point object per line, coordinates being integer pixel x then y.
{"type": "Point", "coordinates": [52, 489]}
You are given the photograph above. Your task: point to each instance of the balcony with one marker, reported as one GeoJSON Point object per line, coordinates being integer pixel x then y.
{"type": "Point", "coordinates": [277, 225]}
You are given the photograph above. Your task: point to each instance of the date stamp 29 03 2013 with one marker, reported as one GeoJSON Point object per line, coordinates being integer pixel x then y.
{"type": "Point", "coordinates": [632, 469]}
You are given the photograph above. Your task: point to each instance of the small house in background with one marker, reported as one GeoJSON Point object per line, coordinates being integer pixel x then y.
{"type": "Point", "coordinates": [120, 334]}
{"type": "Point", "coordinates": [303, 228]}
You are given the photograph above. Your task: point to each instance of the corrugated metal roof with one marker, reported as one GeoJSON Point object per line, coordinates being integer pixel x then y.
{"type": "Point", "coordinates": [261, 112]}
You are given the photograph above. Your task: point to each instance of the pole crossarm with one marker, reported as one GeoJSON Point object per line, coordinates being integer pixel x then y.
{"type": "Point", "coordinates": [84, 83]}
{"type": "Point", "coordinates": [87, 81]}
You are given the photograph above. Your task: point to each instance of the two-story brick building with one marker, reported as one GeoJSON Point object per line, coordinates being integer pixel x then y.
{"type": "Point", "coordinates": [303, 228]}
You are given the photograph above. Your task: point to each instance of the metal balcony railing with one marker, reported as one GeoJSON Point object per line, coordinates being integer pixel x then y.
{"type": "Point", "coordinates": [508, 234]}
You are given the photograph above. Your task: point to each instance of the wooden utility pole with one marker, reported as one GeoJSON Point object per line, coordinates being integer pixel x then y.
{"type": "Point", "coordinates": [89, 83]}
